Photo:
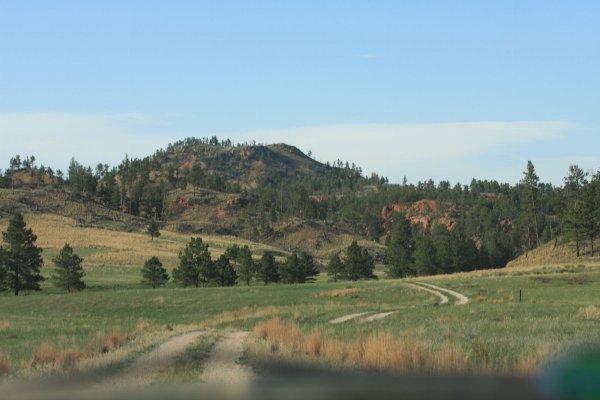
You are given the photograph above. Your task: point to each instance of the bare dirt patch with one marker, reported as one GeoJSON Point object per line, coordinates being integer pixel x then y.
{"type": "Point", "coordinates": [375, 317]}
{"type": "Point", "coordinates": [443, 298]}
{"type": "Point", "coordinates": [146, 368]}
{"type": "Point", "coordinates": [461, 298]}
{"type": "Point", "coordinates": [222, 368]}
{"type": "Point", "coordinates": [348, 317]}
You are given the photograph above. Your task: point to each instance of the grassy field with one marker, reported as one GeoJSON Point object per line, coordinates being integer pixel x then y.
{"type": "Point", "coordinates": [102, 247]}
{"type": "Point", "coordinates": [494, 331]}
{"type": "Point", "coordinates": [116, 318]}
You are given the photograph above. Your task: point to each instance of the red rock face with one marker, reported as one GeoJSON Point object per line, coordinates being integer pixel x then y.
{"type": "Point", "coordinates": [184, 203]}
{"type": "Point", "coordinates": [423, 213]}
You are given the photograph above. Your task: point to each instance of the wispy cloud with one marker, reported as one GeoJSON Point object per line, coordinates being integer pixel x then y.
{"type": "Point", "coordinates": [91, 138]}
{"type": "Point", "coordinates": [406, 149]}
{"type": "Point", "coordinates": [438, 150]}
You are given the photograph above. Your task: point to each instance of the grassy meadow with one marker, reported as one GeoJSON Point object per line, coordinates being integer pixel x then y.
{"type": "Point", "coordinates": [116, 318]}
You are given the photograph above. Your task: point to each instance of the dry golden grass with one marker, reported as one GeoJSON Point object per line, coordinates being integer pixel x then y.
{"type": "Point", "coordinates": [141, 326]}
{"type": "Point", "coordinates": [50, 356]}
{"type": "Point", "coordinates": [104, 247]}
{"type": "Point", "coordinates": [379, 351]}
{"type": "Point", "coordinates": [534, 270]}
{"type": "Point", "coordinates": [58, 358]}
{"type": "Point", "coordinates": [345, 292]}
{"type": "Point", "coordinates": [243, 314]}
{"type": "Point", "coordinates": [5, 325]}
{"type": "Point", "coordinates": [5, 364]}
{"type": "Point", "coordinates": [135, 345]}
{"type": "Point", "coordinates": [589, 313]}
{"type": "Point", "coordinates": [549, 254]}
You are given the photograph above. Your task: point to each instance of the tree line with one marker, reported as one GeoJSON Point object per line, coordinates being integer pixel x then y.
{"type": "Point", "coordinates": [503, 220]}
{"type": "Point", "coordinates": [21, 262]}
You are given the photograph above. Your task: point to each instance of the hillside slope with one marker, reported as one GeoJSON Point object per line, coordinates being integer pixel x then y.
{"type": "Point", "coordinates": [556, 252]}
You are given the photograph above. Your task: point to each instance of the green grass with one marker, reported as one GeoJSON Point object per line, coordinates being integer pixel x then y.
{"type": "Point", "coordinates": [495, 327]}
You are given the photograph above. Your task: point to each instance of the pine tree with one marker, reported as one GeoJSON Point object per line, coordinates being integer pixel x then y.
{"type": "Point", "coordinates": [530, 189]}
{"type": "Point", "coordinates": [591, 211]}
{"type": "Point", "coordinates": [195, 176]}
{"type": "Point", "coordinates": [22, 258]}
{"type": "Point", "coordinates": [153, 273]}
{"type": "Point", "coordinates": [225, 273]}
{"type": "Point", "coordinates": [267, 270]}
{"type": "Point", "coordinates": [426, 259]}
{"type": "Point", "coordinates": [574, 218]}
{"type": "Point", "coordinates": [298, 268]}
{"type": "Point", "coordinates": [68, 273]}
{"type": "Point", "coordinates": [399, 252]}
{"type": "Point", "coordinates": [195, 265]}
{"type": "Point", "coordinates": [335, 268]}
{"type": "Point", "coordinates": [3, 285]}
{"type": "Point", "coordinates": [246, 266]}
{"type": "Point", "coordinates": [153, 229]}
{"type": "Point", "coordinates": [358, 263]}
{"type": "Point", "coordinates": [308, 268]}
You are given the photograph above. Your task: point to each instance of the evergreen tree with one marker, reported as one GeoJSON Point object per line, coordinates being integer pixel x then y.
{"type": "Point", "coordinates": [153, 229]}
{"type": "Point", "coordinates": [22, 258]}
{"type": "Point", "coordinates": [591, 211]}
{"type": "Point", "coordinates": [195, 176]}
{"type": "Point", "coordinates": [466, 253]}
{"type": "Point", "coordinates": [225, 273]}
{"type": "Point", "coordinates": [399, 252]}
{"type": "Point", "coordinates": [68, 274]}
{"type": "Point", "coordinates": [426, 259]}
{"type": "Point", "coordinates": [153, 273]}
{"type": "Point", "coordinates": [267, 270]}
{"type": "Point", "coordinates": [336, 267]}
{"type": "Point", "coordinates": [3, 285]}
{"type": "Point", "coordinates": [457, 252]}
{"type": "Point", "coordinates": [232, 252]}
{"type": "Point", "coordinates": [497, 250]}
{"type": "Point", "coordinates": [308, 268]}
{"type": "Point", "coordinates": [195, 265]}
{"type": "Point", "coordinates": [530, 189]}
{"type": "Point", "coordinates": [358, 263]}
{"type": "Point", "coordinates": [574, 218]}
{"type": "Point", "coordinates": [246, 266]}
{"type": "Point", "coordinates": [298, 268]}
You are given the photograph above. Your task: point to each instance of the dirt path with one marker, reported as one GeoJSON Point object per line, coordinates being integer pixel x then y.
{"type": "Point", "coordinates": [375, 317]}
{"type": "Point", "coordinates": [443, 298]}
{"type": "Point", "coordinates": [146, 368]}
{"type": "Point", "coordinates": [348, 317]}
{"type": "Point", "coordinates": [461, 298]}
{"type": "Point", "coordinates": [222, 370]}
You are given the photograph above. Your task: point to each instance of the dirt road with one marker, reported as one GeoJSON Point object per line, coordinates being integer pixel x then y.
{"type": "Point", "coordinates": [147, 368]}
{"type": "Point", "coordinates": [461, 298]}
{"type": "Point", "coordinates": [443, 298]}
{"type": "Point", "coordinates": [222, 368]}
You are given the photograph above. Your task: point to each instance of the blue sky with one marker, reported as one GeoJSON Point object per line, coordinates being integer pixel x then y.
{"type": "Point", "coordinates": [441, 89]}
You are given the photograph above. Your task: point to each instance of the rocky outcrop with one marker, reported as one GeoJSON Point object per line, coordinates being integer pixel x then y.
{"type": "Point", "coordinates": [423, 213]}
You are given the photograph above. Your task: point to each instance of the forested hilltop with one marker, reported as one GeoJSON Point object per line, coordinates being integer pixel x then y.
{"type": "Point", "coordinates": [277, 194]}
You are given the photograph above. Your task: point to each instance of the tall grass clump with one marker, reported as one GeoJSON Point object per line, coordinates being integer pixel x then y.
{"type": "Point", "coordinates": [589, 313]}
{"type": "Point", "coordinates": [50, 356]}
{"type": "Point", "coordinates": [384, 351]}
{"type": "Point", "coordinates": [5, 364]}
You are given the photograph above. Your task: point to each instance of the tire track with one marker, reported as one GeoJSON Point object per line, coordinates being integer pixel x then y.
{"type": "Point", "coordinates": [222, 370]}
{"type": "Point", "coordinates": [348, 317]}
{"type": "Point", "coordinates": [461, 299]}
{"type": "Point", "coordinates": [443, 298]}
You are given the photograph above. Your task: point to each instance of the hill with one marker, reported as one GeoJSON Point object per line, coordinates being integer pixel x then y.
{"type": "Point", "coordinates": [275, 194]}
{"type": "Point", "coordinates": [557, 252]}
